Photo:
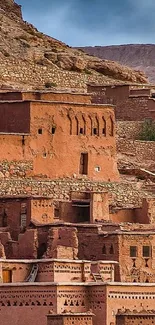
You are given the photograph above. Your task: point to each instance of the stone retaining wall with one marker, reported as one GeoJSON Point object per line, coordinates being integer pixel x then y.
{"type": "Point", "coordinates": [120, 194]}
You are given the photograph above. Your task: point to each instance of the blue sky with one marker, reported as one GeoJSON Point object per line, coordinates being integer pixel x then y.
{"type": "Point", "coordinates": [93, 22]}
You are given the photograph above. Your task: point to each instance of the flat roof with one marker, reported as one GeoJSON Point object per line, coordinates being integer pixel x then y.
{"type": "Point", "coordinates": [127, 232]}
{"type": "Point", "coordinates": [35, 261]}
{"type": "Point", "coordinates": [71, 314]}
{"type": "Point", "coordinates": [56, 102]}
{"type": "Point", "coordinates": [80, 284]}
{"type": "Point", "coordinates": [44, 92]}
{"type": "Point", "coordinates": [121, 85]}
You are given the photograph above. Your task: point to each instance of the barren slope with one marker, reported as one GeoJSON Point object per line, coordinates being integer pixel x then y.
{"type": "Point", "coordinates": [140, 57]}
{"type": "Point", "coordinates": [31, 59]}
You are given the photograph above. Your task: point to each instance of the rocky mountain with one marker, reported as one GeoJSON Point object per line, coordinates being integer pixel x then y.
{"type": "Point", "coordinates": [137, 56]}
{"type": "Point", "coordinates": [29, 59]}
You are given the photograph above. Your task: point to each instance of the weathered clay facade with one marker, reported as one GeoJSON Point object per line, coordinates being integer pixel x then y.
{"type": "Point", "coordinates": [132, 102]}
{"type": "Point", "coordinates": [76, 242]}
{"type": "Point", "coordinates": [46, 130]}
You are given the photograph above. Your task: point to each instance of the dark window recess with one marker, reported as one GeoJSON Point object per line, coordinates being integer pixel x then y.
{"type": "Point", "coordinates": [83, 164]}
{"type": "Point", "coordinates": [133, 251]}
{"type": "Point", "coordinates": [146, 251]}
{"type": "Point", "coordinates": [40, 131]}
{"type": "Point", "coordinates": [95, 131]}
{"type": "Point", "coordinates": [81, 131]}
{"type": "Point", "coordinates": [53, 130]}
{"type": "Point", "coordinates": [111, 250]}
{"type": "Point", "coordinates": [104, 249]}
{"type": "Point", "coordinates": [103, 131]}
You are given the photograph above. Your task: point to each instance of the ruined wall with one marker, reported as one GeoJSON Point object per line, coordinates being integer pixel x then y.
{"type": "Point", "coordinates": [62, 243]}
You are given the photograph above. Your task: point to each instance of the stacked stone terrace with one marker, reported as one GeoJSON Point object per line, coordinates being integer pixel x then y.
{"type": "Point", "coordinates": [76, 241]}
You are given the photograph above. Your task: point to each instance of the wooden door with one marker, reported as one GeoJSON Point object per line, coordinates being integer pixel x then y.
{"type": "Point", "coordinates": [7, 276]}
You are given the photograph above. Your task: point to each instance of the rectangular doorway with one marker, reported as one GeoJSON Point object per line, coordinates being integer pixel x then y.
{"type": "Point", "coordinates": [84, 164]}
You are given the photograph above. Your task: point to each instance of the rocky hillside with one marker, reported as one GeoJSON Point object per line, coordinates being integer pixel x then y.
{"type": "Point", "coordinates": [140, 57]}
{"type": "Point", "coordinates": [30, 59]}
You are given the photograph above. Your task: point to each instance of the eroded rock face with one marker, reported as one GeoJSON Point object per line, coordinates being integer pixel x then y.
{"type": "Point", "coordinates": [11, 8]}
{"type": "Point", "coordinates": [137, 56]}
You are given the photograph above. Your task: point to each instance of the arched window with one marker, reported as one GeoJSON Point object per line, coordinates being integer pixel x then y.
{"type": "Point", "coordinates": [95, 130]}
{"type": "Point", "coordinates": [111, 127]}
{"type": "Point", "coordinates": [103, 126]}
{"type": "Point", "coordinates": [104, 249]}
{"type": "Point", "coordinates": [111, 251]}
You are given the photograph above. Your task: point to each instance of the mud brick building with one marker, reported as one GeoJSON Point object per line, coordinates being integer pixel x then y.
{"type": "Point", "coordinates": [70, 251]}
{"type": "Point", "coordinates": [58, 138]}
{"type": "Point", "coordinates": [132, 102]}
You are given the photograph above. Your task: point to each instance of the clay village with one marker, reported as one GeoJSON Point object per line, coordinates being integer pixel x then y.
{"type": "Point", "coordinates": [77, 189]}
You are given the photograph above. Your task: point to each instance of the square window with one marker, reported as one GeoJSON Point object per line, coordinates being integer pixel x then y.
{"type": "Point", "coordinates": [146, 251]}
{"type": "Point", "coordinates": [133, 251]}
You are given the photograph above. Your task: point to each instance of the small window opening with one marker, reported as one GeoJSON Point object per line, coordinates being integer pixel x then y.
{"type": "Point", "coordinates": [95, 131]}
{"type": "Point", "coordinates": [111, 250]}
{"type": "Point", "coordinates": [40, 131]}
{"type": "Point", "coordinates": [146, 262]}
{"type": "Point", "coordinates": [53, 129]}
{"type": "Point", "coordinates": [146, 251]}
{"type": "Point", "coordinates": [103, 131]}
{"type": "Point", "coordinates": [81, 131]}
{"type": "Point", "coordinates": [104, 249]}
{"type": "Point", "coordinates": [84, 164]}
{"type": "Point", "coordinates": [147, 281]}
{"type": "Point", "coordinates": [44, 155]}
{"type": "Point", "coordinates": [133, 251]}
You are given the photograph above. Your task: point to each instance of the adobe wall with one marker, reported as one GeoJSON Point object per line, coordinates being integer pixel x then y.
{"type": "Point", "coordinates": [93, 246]}
{"type": "Point", "coordinates": [46, 96]}
{"type": "Point", "coordinates": [134, 298]}
{"type": "Point", "coordinates": [85, 132]}
{"type": "Point", "coordinates": [68, 122]}
{"type": "Point", "coordinates": [42, 210]}
{"type": "Point", "coordinates": [22, 305]}
{"type": "Point", "coordinates": [15, 117]}
{"type": "Point", "coordinates": [136, 319]}
{"type": "Point", "coordinates": [138, 268]}
{"type": "Point", "coordinates": [69, 319]}
{"type": "Point", "coordinates": [131, 104]}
